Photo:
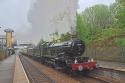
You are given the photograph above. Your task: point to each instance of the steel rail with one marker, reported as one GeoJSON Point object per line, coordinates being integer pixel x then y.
{"type": "Point", "coordinates": [35, 75]}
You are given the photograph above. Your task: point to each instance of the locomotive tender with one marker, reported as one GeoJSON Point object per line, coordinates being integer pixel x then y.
{"type": "Point", "coordinates": [65, 56]}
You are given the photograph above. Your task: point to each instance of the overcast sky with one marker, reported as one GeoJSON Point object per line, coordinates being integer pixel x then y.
{"type": "Point", "coordinates": [87, 3]}
{"type": "Point", "coordinates": [13, 13]}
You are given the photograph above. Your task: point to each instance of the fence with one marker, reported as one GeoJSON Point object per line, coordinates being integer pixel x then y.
{"type": "Point", "coordinates": [107, 53]}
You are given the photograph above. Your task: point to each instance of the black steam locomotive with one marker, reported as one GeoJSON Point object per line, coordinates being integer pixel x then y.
{"type": "Point", "coordinates": [64, 56]}
{"type": "Point", "coordinates": [72, 48]}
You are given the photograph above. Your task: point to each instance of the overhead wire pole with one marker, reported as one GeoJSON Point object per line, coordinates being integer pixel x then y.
{"type": "Point", "coordinates": [1, 41]}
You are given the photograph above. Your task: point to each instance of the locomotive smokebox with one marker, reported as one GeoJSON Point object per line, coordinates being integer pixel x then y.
{"type": "Point", "coordinates": [75, 48]}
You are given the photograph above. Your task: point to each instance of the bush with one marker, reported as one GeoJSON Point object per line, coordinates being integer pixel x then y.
{"type": "Point", "coordinates": [120, 42]}
{"type": "Point", "coordinates": [2, 54]}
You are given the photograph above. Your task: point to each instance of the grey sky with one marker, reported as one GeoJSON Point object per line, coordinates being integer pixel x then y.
{"type": "Point", "coordinates": [13, 14]}
{"type": "Point", "coordinates": [87, 3]}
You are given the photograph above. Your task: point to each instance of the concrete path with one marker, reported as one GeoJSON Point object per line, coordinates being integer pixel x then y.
{"type": "Point", "coordinates": [7, 69]}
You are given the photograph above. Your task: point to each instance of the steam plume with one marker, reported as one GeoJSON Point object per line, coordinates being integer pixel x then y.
{"type": "Point", "coordinates": [48, 16]}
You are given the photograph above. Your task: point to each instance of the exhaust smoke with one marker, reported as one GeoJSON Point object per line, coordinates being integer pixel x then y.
{"type": "Point", "coordinates": [48, 16]}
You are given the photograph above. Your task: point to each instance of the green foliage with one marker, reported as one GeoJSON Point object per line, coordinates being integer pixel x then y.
{"type": "Point", "coordinates": [92, 22]}
{"type": "Point", "coordinates": [2, 54]}
{"type": "Point", "coordinates": [110, 32]}
{"type": "Point", "coordinates": [56, 37]}
{"type": "Point", "coordinates": [64, 37]}
{"type": "Point", "coordinates": [100, 22]}
{"type": "Point", "coordinates": [120, 42]}
{"type": "Point", "coordinates": [122, 2]}
{"type": "Point", "coordinates": [85, 32]}
{"type": "Point", "coordinates": [103, 30]}
{"type": "Point", "coordinates": [120, 15]}
{"type": "Point", "coordinates": [0, 49]}
{"type": "Point", "coordinates": [98, 16]}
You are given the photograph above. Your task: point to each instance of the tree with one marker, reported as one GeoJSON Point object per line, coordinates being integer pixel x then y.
{"type": "Point", "coordinates": [65, 37]}
{"type": "Point", "coordinates": [93, 22]}
{"type": "Point", "coordinates": [84, 31]}
{"type": "Point", "coordinates": [80, 26]}
{"type": "Point", "coordinates": [41, 42]}
{"type": "Point", "coordinates": [55, 36]}
{"type": "Point", "coordinates": [122, 2]}
{"type": "Point", "coordinates": [120, 16]}
{"type": "Point", "coordinates": [98, 16]}
{"type": "Point", "coordinates": [114, 8]}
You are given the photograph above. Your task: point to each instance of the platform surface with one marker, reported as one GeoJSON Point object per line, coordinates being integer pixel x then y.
{"type": "Point", "coordinates": [19, 74]}
{"type": "Point", "coordinates": [112, 65]}
{"type": "Point", "coordinates": [7, 69]}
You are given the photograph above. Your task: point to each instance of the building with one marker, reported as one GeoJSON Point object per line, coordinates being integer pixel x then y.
{"type": "Point", "coordinates": [9, 36]}
{"type": "Point", "coordinates": [2, 41]}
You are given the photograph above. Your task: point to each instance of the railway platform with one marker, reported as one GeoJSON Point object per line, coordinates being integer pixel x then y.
{"type": "Point", "coordinates": [11, 71]}
{"type": "Point", "coordinates": [19, 74]}
{"type": "Point", "coordinates": [7, 69]}
{"type": "Point", "coordinates": [112, 65]}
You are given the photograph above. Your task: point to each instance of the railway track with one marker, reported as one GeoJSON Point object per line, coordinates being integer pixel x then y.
{"type": "Point", "coordinates": [109, 75]}
{"type": "Point", "coordinates": [34, 74]}
{"type": "Point", "coordinates": [37, 76]}
{"type": "Point", "coordinates": [89, 79]}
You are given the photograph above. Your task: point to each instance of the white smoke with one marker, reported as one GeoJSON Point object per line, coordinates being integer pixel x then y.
{"type": "Point", "coordinates": [48, 16]}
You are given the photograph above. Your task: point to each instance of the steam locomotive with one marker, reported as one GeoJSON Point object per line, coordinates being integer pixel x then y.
{"type": "Point", "coordinates": [65, 56]}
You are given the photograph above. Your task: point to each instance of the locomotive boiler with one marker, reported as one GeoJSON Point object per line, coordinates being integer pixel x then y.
{"type": "Point", "coordinates": [72, 48]}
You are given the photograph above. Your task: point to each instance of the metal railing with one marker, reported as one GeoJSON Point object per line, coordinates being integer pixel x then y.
{"type": "Point", "coordinates": [107, 53]}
